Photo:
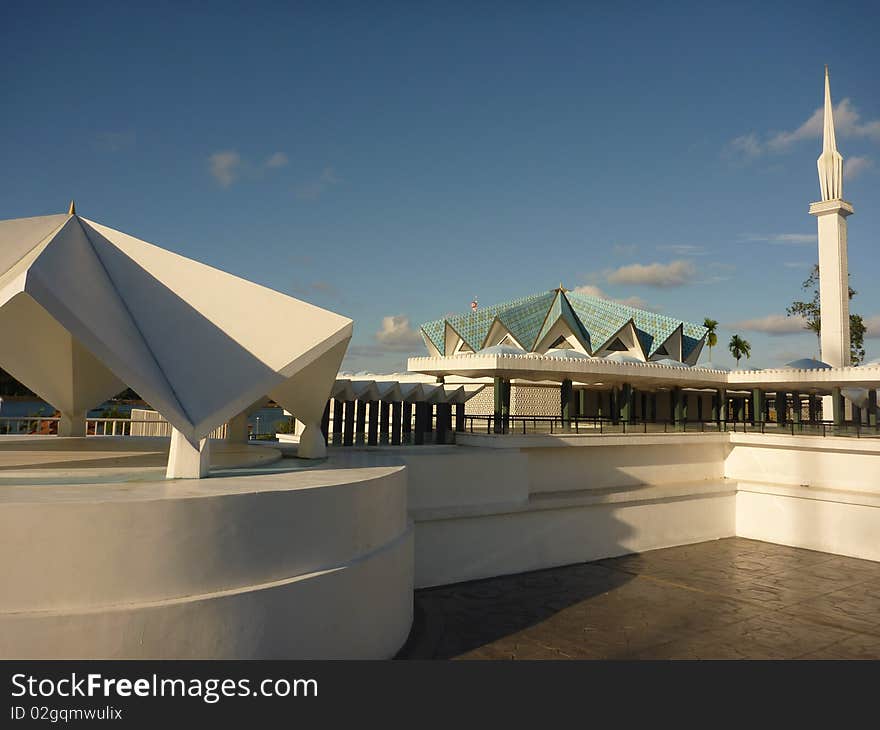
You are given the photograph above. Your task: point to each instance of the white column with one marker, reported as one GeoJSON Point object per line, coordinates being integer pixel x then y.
{"type": "Point", "coordinates": [833, 280]}
{"type": "Point", "coordinates": [72, 424]}
{"type": "Point", "coordinates": [237, 428]}
{"type": "Point", "coordinates": [187, 460]}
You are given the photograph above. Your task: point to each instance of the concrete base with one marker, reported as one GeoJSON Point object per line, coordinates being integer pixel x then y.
{"type": "Point", "coordinates": [286, 564]}
{"type": "Point", "coordinates": [187, 460]}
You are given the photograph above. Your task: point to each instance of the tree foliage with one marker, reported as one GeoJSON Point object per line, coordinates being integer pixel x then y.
{"type": "Point", "coordinates": [739, 348]}
{"type": "Point", "coordinates": [811, 311]}
{"type": "Point", "coordinates": [712, 336]}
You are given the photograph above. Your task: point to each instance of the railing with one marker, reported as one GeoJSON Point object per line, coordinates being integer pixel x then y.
{"type": "Point", "coordinates": [48, 425]}
{"type": "Point", "coordinates": [522, 425]}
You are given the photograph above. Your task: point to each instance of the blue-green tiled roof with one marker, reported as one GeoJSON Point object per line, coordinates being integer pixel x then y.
{"type": "Point", "coordinates": [595, 319]}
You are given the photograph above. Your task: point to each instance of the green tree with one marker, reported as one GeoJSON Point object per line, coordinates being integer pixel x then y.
{"type": "Point", "coordinates": [739, 348]}
{"type": "Point", "coordinates": [811, 311]}
{"type": "Point", "coordinates": [711, 336]}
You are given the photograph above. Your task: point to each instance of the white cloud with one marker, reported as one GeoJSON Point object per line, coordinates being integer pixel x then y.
{"type": "Point", "coordinates": [855, 166]}
{"type": "Point", "coordinates": [316, 188]}
{"type": "Point", "coordinates": [225, 166]}
{"type": "Point", "coordinates": [780, 237]}
{"type": "Point", "coordinates": [398, 334]}
{"type": "Point", "coordinates": [847, 123]}
{"type": "Point", "coordinates": [772, 324]}
{"type": "Point", "coordinates": [279, 159]}
{"type": "Point", "coordinates": [595, 291]}
{"type": "Point", "coordinates": [872, 327]}
{"type": "Point", "coordinates": [683, 249]}
{"type": "Point", "coordinates": [675, 273]}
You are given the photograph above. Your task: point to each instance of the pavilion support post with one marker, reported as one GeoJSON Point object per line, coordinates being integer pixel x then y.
{"type": "Point", "coordinates": [812, 408]}
{"type": "Point", "coordinates": [407, 424]}
{"type": "Point", "coordinates": [716, 403]}
{"type": "Point", "coordinates": [188, 459]}
{"type": "Point", "coordinates": [677, 406]}
{"type": "Point", "coordinates": [396, 409]}
{"type": "Point", "coordinates": [384, 419]}
{"type": "Point", "coordinates": [360, 422]}
{"type": "Point", "coordinates": [444, 423]}
{"type": "Point", "coordinates": [348, 423]}
{"type": "Point", "coordinates": [740, 402]}
{"type": "Point", "coordinates": [505, 407]}
{"type": "Point", "coordinates": [565, 405]}
{"type": "Point", "coordinates": [337, 421]}
{"type": "Point", "coordinates": [325, 423]}
{"type": "Point", "coordinates": [757, 405]}
{"type": "Point", "coordinates": [459, 417]}
{"type": "Point", "coordinates": [237, 428]}
{"type": "Point", "coordinates": [685, 397]}
{"type": "Point", "coordinates": [72, 424]}
{"type": "Point", "coordinates": [627, 404]}
{"type": "Point", "coordinates": [615, 405]}
{"type": "Point", "coordinates": [582, 403]}
{"type": "Point", "coordinates": [796, 407]}
{"type": "Point", "coordinates": [856, 414]}
{"type": "Point", "coordinates": [781, 407]}
{"type": "Point", "coordinates": [422, 415]}
{"type": "Point", "coordinates": [722, 405]}
{"type": "Point", "coordinates": [837, 406]}
{"type": "Point", "coordinates": [497, 423]}
{"type": "Point", "coordinates": [872, 408]}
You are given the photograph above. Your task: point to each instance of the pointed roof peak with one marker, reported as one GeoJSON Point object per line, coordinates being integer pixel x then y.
{"type": "Point", "coordinates": [828, 140]}
{"type": "Point", "coordinates": [830, 163]}
{"type": "Point", "coordinates": [72, 209]}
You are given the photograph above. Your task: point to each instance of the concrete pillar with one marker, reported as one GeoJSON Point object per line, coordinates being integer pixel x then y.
{"type": "Point", "coordinates": [796, 407]}
{"type": "Point", "coordinates": [325, 423]}
{"type": "Point", "coordinates": [384, 418]}
{"type": "Point", "coordinates": [497, 418]}
{"type": "Point", "coordinates": [337, 421]}
{"type": "Point", "coordinates": [444, 422]}
{"type": "Point", "coordinates": [237, 429]}
{"type": "Point", "coordinates": [627, 403]}
{"type": "Point", "coordinates": [406, 425]}
{"type": "Point", "coordinates": [837, 406]}
{"type": "Point", "coordinates": [72, 424]}
{"type": "Point", "coordinates": [566, 399]}
{"type": "Point", "coordinates": [582, 403]}
{"type": "Point", "coordinates": [872, 408]}
{"type": "Point", "coordinates": [460, 417]}
{"type": "Point", "coordinates": [740, 408]}
{"type": "Point", "coordinates": [396, 409]}
{"type": "Point", "coordinates": [360, 421]}
{"type": "Point", "coordinates": [187, 460]}
{"type": "Point", "coordinates": [758, 399]}
{"type": "Point", "coordinates": [503, 407]}
{"type": "Point", "coordinates": [781, 407]}
{"type": "Point", "coordinates": [348, 423]}
{"type": "Point", "coordinates": [373, 423]}
{"type": "Point", "coordinates": [422, 415]}
{"type": "Point", "coordinates": [615, 405]}
{"type": "Point", "coordinates": [677, 406]}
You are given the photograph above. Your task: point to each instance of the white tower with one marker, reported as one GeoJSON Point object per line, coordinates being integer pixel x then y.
{"type": "Point", "coordinates": [831, 213]}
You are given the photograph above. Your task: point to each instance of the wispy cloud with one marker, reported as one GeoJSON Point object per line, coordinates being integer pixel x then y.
{"type": "Point", "coordinates": [673, 274]}
{"type": "Point", "coordinates": [397, 334]}
{"type": "Point", "coordinates": [772, 324]}
{"type": "Point", "coordinates": [792, 238]}
{"type": "Point", "coordinates": [225, 166]}
{"type": "Point", "coordinates": [594, 291]}
{"type": "Point", "coordinates": [278, 159]}
{"type": "Point", "coordinates": [316, 188]}
{"type": "Point", "coordinates": [624, 249]}
{"type": "Point", "coordinates": [683, 249]}
{"type": "Point", "coordinates": [847, 123]}
{"type": "Point", "coordinates": [855, 166]}
{"type": "Point", "coordinates": [872, 327]}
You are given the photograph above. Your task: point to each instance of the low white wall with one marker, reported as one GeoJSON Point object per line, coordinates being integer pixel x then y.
{"type": "Point", "coordinates": [292, 564]}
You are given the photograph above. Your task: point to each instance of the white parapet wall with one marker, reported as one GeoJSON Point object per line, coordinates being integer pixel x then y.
{"type": "Point", "coordinates": [505, 504]}
{"type": "Point", "coordinates": [283, 564]}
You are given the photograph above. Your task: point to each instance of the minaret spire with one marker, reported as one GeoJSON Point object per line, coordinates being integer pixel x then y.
{"type": "Point", "coordinates": [72, 209]}
{"type": "Point", "coordinates": [830, 163]}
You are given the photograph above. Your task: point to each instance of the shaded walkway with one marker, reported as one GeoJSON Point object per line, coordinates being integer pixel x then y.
{"type": "Point", "coordinates": [724, 599]}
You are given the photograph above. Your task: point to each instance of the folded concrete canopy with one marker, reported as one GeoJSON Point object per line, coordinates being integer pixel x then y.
{"type": "Point", "coordinates": [86, 310]}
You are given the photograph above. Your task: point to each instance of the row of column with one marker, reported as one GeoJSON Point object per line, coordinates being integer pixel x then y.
{"type": "Point", "coordinates": [375, 423]}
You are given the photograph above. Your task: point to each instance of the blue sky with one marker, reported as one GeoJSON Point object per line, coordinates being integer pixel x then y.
{"type": "Point", "coordinates": [391, 162]}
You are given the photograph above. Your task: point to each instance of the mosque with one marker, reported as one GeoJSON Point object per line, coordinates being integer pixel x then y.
{"type": "Point", "coordinates": [194, 546]}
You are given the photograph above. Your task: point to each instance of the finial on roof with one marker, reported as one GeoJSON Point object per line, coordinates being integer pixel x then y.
{"type": "Point", "coordinates": [72, 209]}
{"type": "Point", "coordinates": [830, 163]}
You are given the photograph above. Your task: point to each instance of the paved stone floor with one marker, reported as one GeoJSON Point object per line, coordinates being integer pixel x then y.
{"type": "Point", "coordinates": [724, 599]}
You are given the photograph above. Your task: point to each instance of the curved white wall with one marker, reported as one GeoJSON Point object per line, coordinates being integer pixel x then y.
{"type": "Point", "coordinates": [298, 564]}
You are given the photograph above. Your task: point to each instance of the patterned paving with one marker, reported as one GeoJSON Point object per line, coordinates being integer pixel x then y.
{"type": "Point", "coordinates": [724, 599]}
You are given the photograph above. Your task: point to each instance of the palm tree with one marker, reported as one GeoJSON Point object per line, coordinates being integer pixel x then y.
{"type": "Point", "coordinates": [739, 347]}
{"type": "Point", "coordinates": [711, 337]}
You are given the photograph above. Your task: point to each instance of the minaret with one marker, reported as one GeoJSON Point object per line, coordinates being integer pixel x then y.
{"type": "Point", "coordinates": [831, 213]}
